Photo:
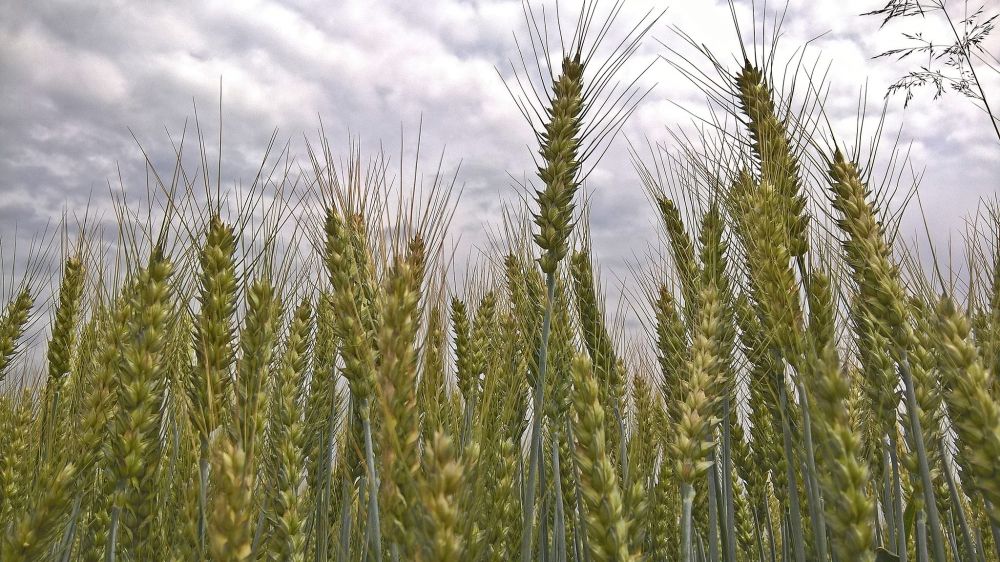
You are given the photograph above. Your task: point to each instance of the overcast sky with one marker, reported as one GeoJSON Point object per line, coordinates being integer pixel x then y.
{"type": "Point", "coordinates": [76, 76]}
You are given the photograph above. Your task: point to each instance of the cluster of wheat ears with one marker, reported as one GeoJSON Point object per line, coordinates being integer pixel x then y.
{"type": "Point", "coordinates": [215, 388]}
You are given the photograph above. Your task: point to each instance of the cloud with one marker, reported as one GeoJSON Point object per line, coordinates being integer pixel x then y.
{"type": "Point", "coordinates": [75, 78]}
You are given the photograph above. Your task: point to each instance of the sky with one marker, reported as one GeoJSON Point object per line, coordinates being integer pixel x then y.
{"type": "Point", "coordinates": [84, 84]}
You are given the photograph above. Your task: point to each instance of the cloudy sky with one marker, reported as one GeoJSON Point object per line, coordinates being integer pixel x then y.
{"type": "Point", "coordinates": [76, 77]}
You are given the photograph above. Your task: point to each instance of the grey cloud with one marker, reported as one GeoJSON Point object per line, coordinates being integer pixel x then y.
{"type": "Point", "coordinates": [74, 77]}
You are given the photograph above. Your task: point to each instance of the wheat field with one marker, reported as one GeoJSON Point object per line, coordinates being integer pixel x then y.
{"type": "Point", "coordinates": [295, 372]}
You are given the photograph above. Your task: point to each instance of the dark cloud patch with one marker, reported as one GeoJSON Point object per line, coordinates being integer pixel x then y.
{"type": "Point", "coordinates": [76, 77]}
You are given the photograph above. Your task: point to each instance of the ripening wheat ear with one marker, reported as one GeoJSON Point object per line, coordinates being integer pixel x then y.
{"type": "Point", "coordinates": [209, 381]}
{"type": "Point", "coordinates": [357, 352]}
{"type": "Point", "coordinates": [482, 341]}
{"type": "Point", "coordinates": [257, 343]}
{"type": "Point", "coordinates": [439, 491]}
{"type": "Point", "coordinates": [61, 347]}
{"type": "Point", "coordinates": [31, 536]}
{"type": "Point", "coordinates": [868, 253]}
{"type": "Point", "coordinates": [12, 324]}
{"type": "Point", "coordinates": [563, 349]}
{"type": "Point", "coordinates": [497, 520]}
{"type": "Point", "coordinates": [432, 392]}
{"type": "Point", "coordinates": [772, 147]}
{"type": "Point", "coordinates": [559, 171]}
{"type": "Point", "coordinates": [608, 526]}
{"type": "Point", "coordinates": [19, 442]}
{"type": "Point", "coordinates": [671, 349]}
{"type": "Point", "coordinates": [91, 452]}
{"type": "Point", "coordinates": [844, 473]}
{"type": "Point", "coordinates": [883, 297]}
{"type": "Point", "coordinates": [229, 519]}
{"type": "Point", "coordinates": [773, 283]}
{"type": "Point", "coordinates": [465, 364]}
{"type": "Point", "coordinates": [599, 344]}
{"type": "Point", "coordinates": [213, 331]}
{"type": "Point", "coordinates": [288, 440]}
{"type": "Point", "coordinates": [137, 444]}
{"type": "Point", "coordinates": [399, 429]}
{"type": "Point", "coordinates": [526, 289]}
{"type": "Point", "coordinates": [974, 413]}
{"type": "Point", "coordinates": [698, 415]}
{"type": "Point", "coordinates": [561, 166]}
{"type": "Point", "coordinates": [682, 250]}
{"type": "Point", "coordinates": [643, 450]}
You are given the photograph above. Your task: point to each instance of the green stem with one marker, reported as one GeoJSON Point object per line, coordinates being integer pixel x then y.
{"type": "Point", "coordinates": [713, 512]}
{"type": "Point", "coordinates": [921, 537]}
{"type": "Point", "coordinates": [937, 542]}
{"type": "Point", "coordinates": [770, 534]}
{"type": "Point", "coordinates": [375, 525]}
{"type": "Point", "coordinates": [795, 512]}
{"type": "Point", "coordinates": [953, 540]}
{"type": "Point", "coordinates": [727, 482]}
{"type": "Point", "coordinates": [687, 500]}
{"type": "Point", "coordinates": [203, 464]}
{"type": "Point", "coordinates": [536, 423]}
{"type": "Point", "coordinates": [898, 500]}
{"type": "Point", "coordinates": [560, 525]}
{"type": "Point", "coordinates": [812, 481]}
{"type": "Point", "coordinates": [543, 521]}
{"type": "Point", "coordinates": [345, 521]}
{"type": "Point", "coordinates": [759, 536]}
{"type": "Point", "coordinates": [116, 511]}
{"type": "Point", "coordinates": [963, 523]}
{"type": "Point", "coordinates": [70, 533]}
{"type": "Point", "coordinates": [888, 507]}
